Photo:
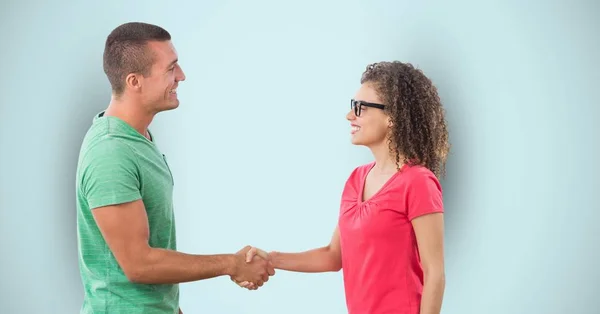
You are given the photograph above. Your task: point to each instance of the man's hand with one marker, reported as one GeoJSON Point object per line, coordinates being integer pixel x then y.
{"type": "Point", "coordinates": [252, 254]}
{"type": "Point", "coordinates": [252, 269]}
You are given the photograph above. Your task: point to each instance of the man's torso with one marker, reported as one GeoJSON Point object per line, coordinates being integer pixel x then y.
{"type": "Point", "coordinates": [107, 289]}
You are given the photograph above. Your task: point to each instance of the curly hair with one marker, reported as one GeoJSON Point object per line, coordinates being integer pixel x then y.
{"type": "Point", "coordinates": [419, 133]}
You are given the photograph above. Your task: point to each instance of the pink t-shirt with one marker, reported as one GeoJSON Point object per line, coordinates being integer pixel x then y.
{"type": "Point", "coordinates": [380, 259]}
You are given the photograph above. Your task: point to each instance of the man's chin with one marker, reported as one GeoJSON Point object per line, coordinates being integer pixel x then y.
{"type": "Point", "coordinates": [171, 105]}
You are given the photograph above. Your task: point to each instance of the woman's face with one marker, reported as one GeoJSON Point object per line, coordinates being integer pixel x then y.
{"type": "Point", "coordinates": [369, 123]}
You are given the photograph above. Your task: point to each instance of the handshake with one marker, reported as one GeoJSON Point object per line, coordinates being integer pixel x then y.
{"type": "Point", "coordinates": [253, 268]}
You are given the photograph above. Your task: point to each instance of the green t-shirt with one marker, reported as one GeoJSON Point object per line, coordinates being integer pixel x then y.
{"type": "Point", "coordinates": [117, 165]}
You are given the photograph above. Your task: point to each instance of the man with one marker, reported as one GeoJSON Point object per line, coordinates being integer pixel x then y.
{"type": "Point", "coordinates": [126, 226]}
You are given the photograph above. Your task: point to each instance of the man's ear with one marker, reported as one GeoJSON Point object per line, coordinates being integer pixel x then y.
{"type": "Point", "coordinates": [133, 81]}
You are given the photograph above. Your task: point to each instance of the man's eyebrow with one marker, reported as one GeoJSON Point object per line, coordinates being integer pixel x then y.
{"type": "Point", "coordinates": [173, 62]}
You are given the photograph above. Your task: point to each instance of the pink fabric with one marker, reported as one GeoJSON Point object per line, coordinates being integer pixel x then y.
{"type": "Point", "coordinates": [380, 259]}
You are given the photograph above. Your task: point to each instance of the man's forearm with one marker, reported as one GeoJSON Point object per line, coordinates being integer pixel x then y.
{"type": "Point", "coordinates": [313, 261]}
{"type": "Point", "coordinates": [160, 266]}
{"type": "Point", "coordinates": [433, 293]}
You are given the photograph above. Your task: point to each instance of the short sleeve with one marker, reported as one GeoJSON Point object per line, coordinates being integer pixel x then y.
{"type": "Point", "coordinates": [424, 195]}
{"type": "Point", "coordinates": [110, 174]}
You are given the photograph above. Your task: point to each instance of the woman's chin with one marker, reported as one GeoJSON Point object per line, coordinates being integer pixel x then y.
{"type": "Point", "coordinates": [356, 141]}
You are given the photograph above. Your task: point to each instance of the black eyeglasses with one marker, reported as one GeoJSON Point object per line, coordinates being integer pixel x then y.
{"type": "Point", "coordinates": [357, 105]}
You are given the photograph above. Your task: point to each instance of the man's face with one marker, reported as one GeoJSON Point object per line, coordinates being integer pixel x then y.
{"type": "Point", "coordinates": [159, 90]}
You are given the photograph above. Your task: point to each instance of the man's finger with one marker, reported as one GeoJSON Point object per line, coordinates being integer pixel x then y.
{"type": "Point", "coordinates": [270, 268]}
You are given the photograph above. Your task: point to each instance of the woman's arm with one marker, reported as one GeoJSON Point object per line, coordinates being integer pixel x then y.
{"type": "Point", "coordinates": [323, 259]}
{"type": "Point", "coordinates": [429, 231]}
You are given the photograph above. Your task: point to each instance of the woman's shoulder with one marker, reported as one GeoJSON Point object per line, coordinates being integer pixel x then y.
{"type": "Point", "coordinates": [417, 171]}
{"type": "Point", "coordinates": [362, 170]}
{"type": "Point", "coordinates": [417, 176]}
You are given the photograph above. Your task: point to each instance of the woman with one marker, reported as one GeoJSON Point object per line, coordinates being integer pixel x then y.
{"type": "Point", "coordinates": [390, 233]}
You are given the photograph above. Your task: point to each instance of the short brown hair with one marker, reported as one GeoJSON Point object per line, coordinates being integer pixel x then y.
{"type": "Point", "coordinates": [126, 52]}
{"type": "Point", "coordinates": [419, 133]}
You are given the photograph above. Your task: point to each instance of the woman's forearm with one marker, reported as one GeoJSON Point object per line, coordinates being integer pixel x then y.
{"type": "Point", "coordinates": [313, 261]}
{"type": "Point", "coordinates": [433, 292]}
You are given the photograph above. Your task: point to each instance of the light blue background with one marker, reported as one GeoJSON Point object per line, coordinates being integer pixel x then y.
{"type": "Point", "coordinates": [260, 148]}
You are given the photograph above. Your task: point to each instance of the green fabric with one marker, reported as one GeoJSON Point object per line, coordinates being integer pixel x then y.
{"type": "Point", "coordinates": [117, 165]}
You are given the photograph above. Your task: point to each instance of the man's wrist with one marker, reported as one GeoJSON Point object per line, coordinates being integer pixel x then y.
{"type": "Point", "coordinates": [231, 264]}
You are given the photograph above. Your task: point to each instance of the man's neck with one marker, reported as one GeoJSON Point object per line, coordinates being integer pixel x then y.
{"type": "Point", "coordinates": [132, 113]}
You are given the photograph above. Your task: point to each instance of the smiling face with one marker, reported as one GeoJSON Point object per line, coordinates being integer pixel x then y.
{"type": "Point", "coordinates": [369, 123]}
{"type": "Point", "coordinates": [158, 90]}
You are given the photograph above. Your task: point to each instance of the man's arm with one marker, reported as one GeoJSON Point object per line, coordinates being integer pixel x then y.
{"type": "Point", "coordinates": [429, 232]}
{"type": "Point", "coordinates": [109, 180]}
{"type": "Point", "coordinates": [125, 229]}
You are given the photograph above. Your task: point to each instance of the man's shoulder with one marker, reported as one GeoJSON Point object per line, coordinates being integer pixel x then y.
{"type": "Point", "coordinates": [103, 151]}
{"type": "Point", "coordinates": [101, 138]}
{"type": "Point", "coordinates": [105, 145]}
{"type": "Point", "coordinates": [107, 171]}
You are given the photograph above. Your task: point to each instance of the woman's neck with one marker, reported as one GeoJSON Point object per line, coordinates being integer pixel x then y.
{"type": "Point", "coordinates": [385, 161]}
